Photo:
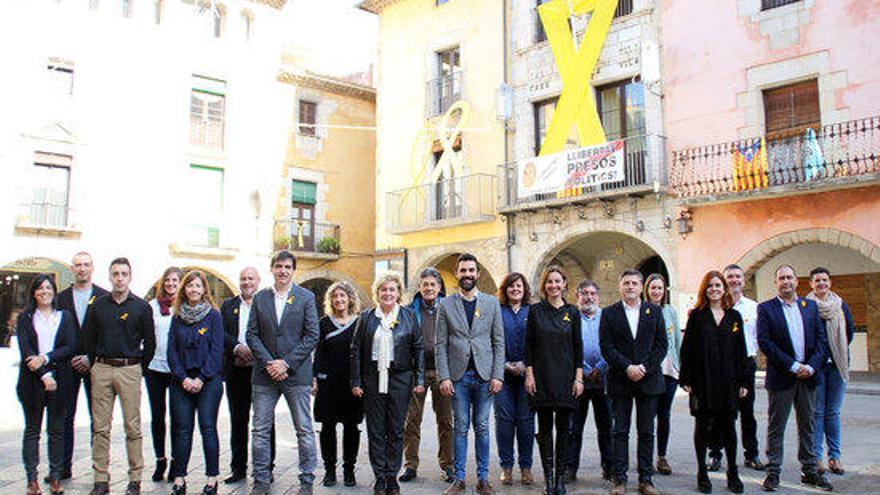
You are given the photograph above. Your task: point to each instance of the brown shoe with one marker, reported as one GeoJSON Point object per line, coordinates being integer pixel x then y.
{"type": "Point", "coordinates": [484, 488]}
{"type": "Point", "coordinates": [647, 488]}
{"type": "Point", "coordinates": [835, 466]}
{"type": "Point", "coordinates": [134, 488]}
{"type": "Point", "coordinates": [820, 468]}
{"type": "Point", "coordinates": [618, 489]}
{"type": "Point", "coordinates": [506, 476]}
{"type": "Point", "coordinates": [33, 488]}
{"type": "Point", "coordinates": [527, 477]}
{"type": "Point", "coordinates": [663, 467]}
{"type": "Point", "coordinates": [100, 488]}
{"type": "Point", "coordinates": [55, 487]}
{"type": "Point", "coordinates": [455, 488]}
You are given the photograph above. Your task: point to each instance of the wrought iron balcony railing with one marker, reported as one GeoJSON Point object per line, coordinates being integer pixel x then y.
{"type": "Point", "coordinates": [644, 170]}
{"type": "Point", "coordinates": [303, 236]}
{"type": "Point", "coordinates": [442, 92]}
{"type": "Point", "coordinates": [809, 159]}
{"type": "Point", "coordinates": [465, 199]}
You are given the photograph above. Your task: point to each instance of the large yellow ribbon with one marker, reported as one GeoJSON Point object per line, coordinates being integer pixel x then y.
{"type": "Point", "coordinates": [576, 105]}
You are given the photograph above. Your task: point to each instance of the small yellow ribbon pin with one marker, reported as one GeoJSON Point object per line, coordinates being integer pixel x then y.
{"type": "Point", "coordinates": [566, 318]}
{"type": "Point", "coordinates": [203, 330]}
{"type": "Point", "coordinates": [477, 313]}
{"type": "Point", "coordinates": [123, 317]}
{"type": "Point", "coordinates": [647, 311]}
{"type": "Point", "coordinates": [235, 311]}
{"type": "Point", "coordinates": [290, 299]}
{"type": "Point", "coordinates": [394, 324]}
{"type": "Point", "coordinates": [91, 300]}
{"type": "Point", "coordinates": [803, 303]}
{"type": "Point", "coordinates": [735, 327]}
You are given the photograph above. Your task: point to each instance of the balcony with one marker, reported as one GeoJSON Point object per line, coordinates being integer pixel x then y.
{"type": "Point", "coordinates": [46, 219]}
{"type": "Point", "coordinates": [313, 240]}
{"type": "Point", "coordinates": [447, 202]}
{"type": "Point", "coordinates": [441, 93]}
{"type": "Point", "coordinates": [838, 155]}
{"type": "Point", "coordinates": [644, 172]}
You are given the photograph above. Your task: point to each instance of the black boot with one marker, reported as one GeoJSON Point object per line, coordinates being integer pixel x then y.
{"type": "Point", "coordinates": [560, 482]}
{"type": "Point", "coordinates": [159, 473]}
{"type": "Point", "coordinates": [348, 478]}
{"type": "Point", "coordinates": [329, 476]}
{"type": "Point", "coordinates": [703, 483]}
{"type": "Point", "coordinates": [734, 484]}
{"type": "Point", "coordinates": [545, 449]}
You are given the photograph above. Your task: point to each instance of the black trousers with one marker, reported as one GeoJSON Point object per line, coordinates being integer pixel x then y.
{"type": "Point", "coordinates": [238, 397]}
{"type": "Point", "coordinates": [548, 417]}
{"type": "Point", "coordinates": [646, 410]}
{"type": "Point", "coordinates": [158, 384]}
{"type": "Point", "coordinates": [716, 429]}
{"type": "Point", "coordinates": [54, 403]}
{"type": "Point", "coordinates": [72, 395]}
{"type": "Point", "coordinates": [351, 440]}
{"type": "Point", "coordinates": [602, 418]}
{"type": "Point", "coordinates": [385, 415]}
{"type": "Point", "coordinates": [748, 424]}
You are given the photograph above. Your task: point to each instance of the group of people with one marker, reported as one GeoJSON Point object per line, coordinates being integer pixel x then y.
{"type": "Point", "coordinates": [471, 350]}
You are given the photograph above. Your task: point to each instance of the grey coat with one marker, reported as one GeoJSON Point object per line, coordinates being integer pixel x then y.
{"type": "Point", "coordinates": [293, 340]}
{"type": "Point", "coordinates": [456, 341]}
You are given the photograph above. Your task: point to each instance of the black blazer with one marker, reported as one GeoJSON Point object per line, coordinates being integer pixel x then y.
{"type": "Point", "coordinates": [774, 341]}
{"type": "Point", "coordinates": [409, 346]}
{"type": "Point", "coordinates": [30, 383]}
{"type": "Point", "coordinates": [620, 349]}
{"type": "Point", "coordinates": [65, 302]}
{"type": "Point", "coordinates": [229, 312]}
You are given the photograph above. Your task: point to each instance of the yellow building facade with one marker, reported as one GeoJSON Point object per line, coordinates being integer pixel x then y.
{"type": "Point", "coordinates": [439, 140]}
{"type": "Point", "coordinates": [325, 209]}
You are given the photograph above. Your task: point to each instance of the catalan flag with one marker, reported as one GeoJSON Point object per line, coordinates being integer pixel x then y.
{"type": "Point", "coordinates": [750, 166]}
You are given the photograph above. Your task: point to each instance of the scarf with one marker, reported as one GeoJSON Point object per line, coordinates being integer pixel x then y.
{"type": "Point", "coordinates": [193, 314]}
{"type": "Point", "coordinates": [165, 303]}
{"type": "Point", "coordinates": [384, 340]}
{"type": "Point", "coordinates": [831, 310]}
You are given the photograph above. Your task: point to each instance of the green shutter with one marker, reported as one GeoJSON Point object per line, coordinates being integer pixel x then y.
{"type": "Point", "coordinates": [303, 192]}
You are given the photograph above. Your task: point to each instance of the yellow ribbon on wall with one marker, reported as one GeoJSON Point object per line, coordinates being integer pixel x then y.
{"type": "Point", "coordinates": [576, 65]}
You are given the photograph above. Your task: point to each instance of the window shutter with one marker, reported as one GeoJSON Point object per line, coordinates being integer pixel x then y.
{"type": "Point", "coordinates": [303, 192]}
{"type": "Point", "coordinates": [791, 109]}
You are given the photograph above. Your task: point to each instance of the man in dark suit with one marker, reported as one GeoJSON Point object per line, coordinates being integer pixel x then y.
{"type": "Point", "coordinates": [238, 367]}
{"type": "Point", "coordinates": [282, 333]}
{"type": "Point", "coordinates": [77, 299]}
{"type": "Point", "coordinates": [632, 337]}
{"type": "Point", "coordinates": [792, 336]}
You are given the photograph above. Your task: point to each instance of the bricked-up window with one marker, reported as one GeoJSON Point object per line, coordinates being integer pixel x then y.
{"type": "Point", "coordinates": [791, 109]}
{"type": "Point", "coordinates": [308, 112]}
{"type": "Point", "coordinates": [207, 112]}
{"type": "Point", "coordinates": [772, 4]}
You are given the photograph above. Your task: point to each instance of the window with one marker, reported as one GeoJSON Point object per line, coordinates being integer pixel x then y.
{"type": "Point", "coordinates": [624, 7]}
{"type": "Point", "coordinates": [308, 112]}
{"type": "Point", "coordinates": [50, 196]}
{"type": "Point", "coordinates": [447, 190]}
{"type": "Point", "coordinates": [205, 211]}
{"type": "Point", "coordinates": [772, 4]}
{"type": "Point", "coordinates": [544, 111]}
{"type": "Point", "coordinates": [207, 112]}
{"type": "Point", "coordinates": [127, 6]}
{"type": "Point", "coordinates": [247, 21]}
{"type": "Point", "coordinates": [158, 11]}
{"type": "Point", "coordinates": [303, 196]}
{"type": "Point", "coordinates": [622, 112]}
{"type": "Point", "coordinates": [540, 34]}
{"type": "Point", "coordinates": [446, 88]}
{"type": "Point", "coordinates": [60, 75]}
{"type": "Point", "coordinates": [791, 109]}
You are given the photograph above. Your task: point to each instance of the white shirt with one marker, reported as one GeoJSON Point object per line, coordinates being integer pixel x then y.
{"type": "Point", "coordinates": [47, 329]}
{"type": "Point", "coordinates": [81, 303]}
{"type": "Point", "coordinates": [162, 324]}
{"type": "Point", "coordinates": [244, 312]}
{"type": "Point", "coordinates": [280, 302]}
{"type": "Point", "coordinates": [748, 309]}
{"type": "Point", "coordinates": [632, 317]}
{"type": "Point", "coordinates": [795, 323]}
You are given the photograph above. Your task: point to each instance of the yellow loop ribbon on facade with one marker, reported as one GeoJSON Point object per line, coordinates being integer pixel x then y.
{"type": "Point", "coordinates": [576, 106]}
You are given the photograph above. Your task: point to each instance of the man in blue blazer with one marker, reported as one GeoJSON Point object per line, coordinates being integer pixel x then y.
{"type": "Point", "coordinates": [792, 336]}
{"type": "Point", "coordinates": [282, 332]}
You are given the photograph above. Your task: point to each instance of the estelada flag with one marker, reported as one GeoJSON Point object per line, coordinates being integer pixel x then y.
{"type": "Point", "coordinates": [750, 166]}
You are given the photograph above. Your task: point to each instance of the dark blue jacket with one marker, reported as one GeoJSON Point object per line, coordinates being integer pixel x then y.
{"type": "Point", "coordinates": [514, 332]}
{"type": "Point", "coordinates": [30, 383]}
{"type": "Point", "coordinates": [196, 351]}
{"type": "Point", "coordinates": [775, 342]}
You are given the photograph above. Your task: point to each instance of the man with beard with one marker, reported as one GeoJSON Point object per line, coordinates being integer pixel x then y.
{"type": "Point", "coordinates": [470, 367]}
{"type": "Point", "coordinates": [78, 299]}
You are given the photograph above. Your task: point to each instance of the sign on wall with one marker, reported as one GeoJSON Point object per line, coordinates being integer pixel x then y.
{"type": "Point", "coordinates": [577, 168]}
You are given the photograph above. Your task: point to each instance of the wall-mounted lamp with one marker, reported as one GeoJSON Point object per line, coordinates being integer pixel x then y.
{"type": "Point", "coordinates": [533, 237]}
{"type": "Point", "coordinates": [685, 222]}
{"type": "Point", "coordinates": [640, 226]}
{"type": "Point", "coordinates": [667, 222]}
{"type": "Point", "coordinates": [609, 209]}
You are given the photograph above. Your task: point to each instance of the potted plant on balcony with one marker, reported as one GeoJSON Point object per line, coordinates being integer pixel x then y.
{"type": "Point", "coordinates": [280, 242]}
{"type": "Point", "coordinates": [329, 245]}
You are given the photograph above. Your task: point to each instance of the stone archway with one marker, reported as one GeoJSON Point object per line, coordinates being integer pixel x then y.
{"type": "Point", "coordinates": [15, 280]}
{"type": "Point", "coordinates": [220, 287]}
{"type": "Point", "coordinates": [446, 264]}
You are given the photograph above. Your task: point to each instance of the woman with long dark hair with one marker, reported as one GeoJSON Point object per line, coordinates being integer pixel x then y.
{"type": "Point", "coordinates": [157, 375]}
{"type": "Point", "coordinates": [46, 341]}
{"type": "Point", "coordinates": [713, 372]}
{"type": "Point", "coordinates": [334, 402]}
{"type": "Point", "coordinates": [195, 357]}
{"type": "Point", "coordinates": [554, 359]}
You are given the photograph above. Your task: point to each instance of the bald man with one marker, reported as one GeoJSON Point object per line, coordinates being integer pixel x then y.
{"type": "Point", "coordinates": [238, 369]}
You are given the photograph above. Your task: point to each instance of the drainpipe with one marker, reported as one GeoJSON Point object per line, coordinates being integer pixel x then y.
{"type": "Point", "coordinates": [511, 239]}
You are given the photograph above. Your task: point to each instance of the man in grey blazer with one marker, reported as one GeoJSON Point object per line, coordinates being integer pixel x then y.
{"type": "Point", "coordinates": [282, 332]}
{"type": "Point", "coordinates": [470, 367]}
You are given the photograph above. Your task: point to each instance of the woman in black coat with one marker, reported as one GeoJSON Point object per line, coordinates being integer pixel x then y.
{"type": "Point", "coordinates": [713, 372]}
{"type": "Point", "coordinates": [554, 359]}
{"type": "Point", "coordinates": [334, 402]}
{"type": "Point", "coordinates": [46, 340]}
{"type": "Point", "coordinates": [387, 366]}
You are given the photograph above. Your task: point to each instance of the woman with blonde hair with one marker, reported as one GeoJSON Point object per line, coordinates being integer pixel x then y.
{"type": "Point", "coordinates": [387, 366]}
{"type": "Point", "coordinates": [195, 357]}
{"type": "Point", "coordinates": [334, 402]}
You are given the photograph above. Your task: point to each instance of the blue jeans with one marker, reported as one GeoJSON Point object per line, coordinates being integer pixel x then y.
{"type": "Point", "coordinates": [471, 392]}
{"type": "Point", "coordinates": [830, 389]}
{"type": "Point", "coordinates": [664, 413]}
{"type": "Point", "coordinates": [514, 418]}
{"type": "Point", "coordinates": [183, 410]}
{"type": "Point", "coordinates": [299, 401]}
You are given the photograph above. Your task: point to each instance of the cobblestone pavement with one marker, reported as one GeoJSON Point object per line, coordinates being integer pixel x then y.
{"type": "Point", "coordinates": [861, 457]}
